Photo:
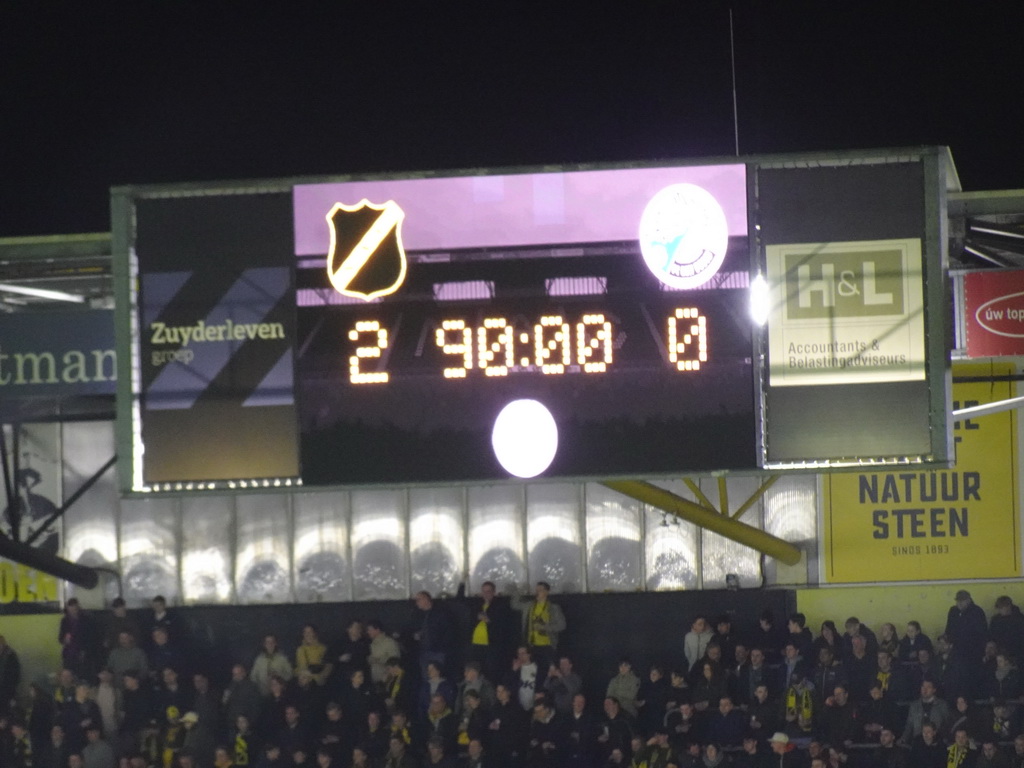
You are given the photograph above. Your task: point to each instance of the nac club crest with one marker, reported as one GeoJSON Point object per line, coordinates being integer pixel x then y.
{"type": "Point", "coordinates": [366, 257]}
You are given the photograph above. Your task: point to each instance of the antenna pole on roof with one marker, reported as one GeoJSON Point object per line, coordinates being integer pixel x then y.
{"type": "Point", "coordinates": [732, 61]}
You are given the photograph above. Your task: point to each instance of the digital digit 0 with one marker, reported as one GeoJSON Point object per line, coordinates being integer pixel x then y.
{"type": "Point", "coordinates": [687, 339]}
{"type": "Point", "coordinates": [454, 338]}
{"type": "Point", "coordinates": [378, 341]}
{"type": "Point", "coordinates": [495, 346]}
{"type": "Point", "coordinates": [594, 343]}
{"type": "Point", "coordinates": [551, 342]}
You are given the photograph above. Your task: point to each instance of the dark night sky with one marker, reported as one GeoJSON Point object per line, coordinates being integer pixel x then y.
{"type": "Point", "coordinates": [100, 94]}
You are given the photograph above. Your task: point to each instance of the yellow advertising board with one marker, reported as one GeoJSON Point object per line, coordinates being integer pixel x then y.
{"type": "Point", "coordinates": [910, 525]}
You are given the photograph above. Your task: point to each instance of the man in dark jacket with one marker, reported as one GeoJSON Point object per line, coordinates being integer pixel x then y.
{"type": "Point", "coordinates": [967, 630]}
{"type": "Point", "coordinates": [888, 754]}
{"type": "Point", "coordinates": [434, 633]}
{"type": "Point", "coordinates": [1007, 628]}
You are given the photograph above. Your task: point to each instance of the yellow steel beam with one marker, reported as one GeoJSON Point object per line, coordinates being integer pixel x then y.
{"type": "Point", "coordinates": [723, 495]}
{"type": "Point", "coordinates": [757, 495]}
{"type": "Point", "coordinates": [695, 489]}
{"type": "Point", "coordinates": [707, 518]}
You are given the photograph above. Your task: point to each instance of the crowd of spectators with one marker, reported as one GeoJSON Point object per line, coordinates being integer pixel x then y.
{"type": "Point", "coordinates": [501, 695]}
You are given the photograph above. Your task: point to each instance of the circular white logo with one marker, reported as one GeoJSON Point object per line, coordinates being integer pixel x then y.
{"type": "Point", "coordinates": [683, 235]}
{"type": "Point", "coordinates": [525, 438]}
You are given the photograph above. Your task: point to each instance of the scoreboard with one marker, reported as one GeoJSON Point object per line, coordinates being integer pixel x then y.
{"type": "Point", "coordinates": [554, 323]}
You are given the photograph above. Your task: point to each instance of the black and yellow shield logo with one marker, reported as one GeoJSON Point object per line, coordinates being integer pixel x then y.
{"type": "Point", "coordinates": [367, 258]}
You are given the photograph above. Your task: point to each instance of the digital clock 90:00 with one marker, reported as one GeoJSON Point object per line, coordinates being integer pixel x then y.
{"type": "Point", "coordinates": [553, 345]}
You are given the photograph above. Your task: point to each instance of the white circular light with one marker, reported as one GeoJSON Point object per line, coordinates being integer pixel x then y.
{"type": "Point", "coordinates": [683, 236]}
{"type": "Point", "coordinates": [525, 438]}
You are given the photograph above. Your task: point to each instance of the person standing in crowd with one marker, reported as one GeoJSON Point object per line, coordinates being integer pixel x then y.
{"type": "Point", "coordinates": [119, 621]}
{"type": "Point", "coordinates": [352, 651]}
{"type": "Point", "coordinates": [769, 637]}
{"type": "Point", "coordinates": [562, 684]}
{"type": "Point", "coordinates": [382, 648]}
{"type": "Point", "coordinates": [967, 631]}
{"type": "Point", "coordinates": [161, 617]}
{"type": "Point", "coordinates": [793, 662]}
{"type": "Point", "coordinates": [624, 688]}
{"type": "Point", "coordinates": [526, 678]}
{"type": "Point", "coordinates": [491, 629]}
{"type": "Point", "coordinates": [696, 641]}
{"type": "Point", "coordinates": [311, 655]}
{"type": "Point", "coordinates": [653, 698]}
{"type": "Point", "coordinates": [800, 634]}
{"type": "Point", "coordinates": [543, 623]}
{"type": "Point", "coordinates": [10, 676]}
{"type": "Point", "coordinates": [125, 656]}
{"type": "Point", "coordinates": [242, 696]}
{"type": "Point", "coordinates": [76, 639]}
{"type": "Point", "coordinates": [725, 637]}
{"type": "Point", "coordinates": [270, 661]}
{"type": "Point", "coordinates": [163, 653]}
{"type": "Point", "coordinates": [434, 633]}
{"type": "Point", "coordinates": [1007, 627]}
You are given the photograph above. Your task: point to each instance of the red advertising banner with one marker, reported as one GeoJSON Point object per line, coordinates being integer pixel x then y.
{"type": "Point", "coordinates": [994, 313]}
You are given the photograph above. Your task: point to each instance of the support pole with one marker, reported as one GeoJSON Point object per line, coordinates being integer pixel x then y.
{"type": "Point", "coordinates": [739, 532]}
{"type": "Point", "coordinates": [71, 500]}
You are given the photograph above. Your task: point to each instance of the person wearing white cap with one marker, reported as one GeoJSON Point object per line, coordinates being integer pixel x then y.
{"type": "Point", "coordinates": [784, 753]}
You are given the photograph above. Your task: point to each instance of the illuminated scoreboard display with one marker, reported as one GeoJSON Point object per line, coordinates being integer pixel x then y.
{"type": "Point", "coordinates": [581, 324]}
